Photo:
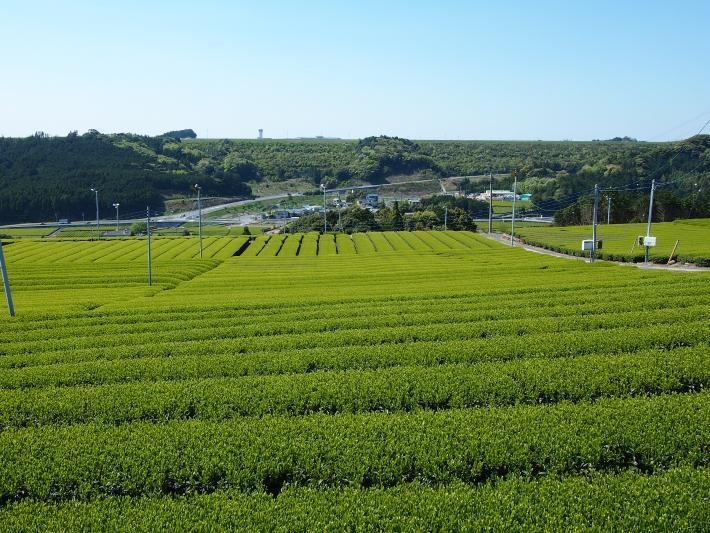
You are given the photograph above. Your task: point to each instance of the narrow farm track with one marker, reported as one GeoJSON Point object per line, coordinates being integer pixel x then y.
{"type": "Point", "coordinates": [420, 377]}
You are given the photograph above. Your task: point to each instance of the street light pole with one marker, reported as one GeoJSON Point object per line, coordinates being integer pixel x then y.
{"type": "Point", "coordinates": [490, 202]}
{"type": "Point", "coordinates": [515, 193]}
{"type": "Point", "coordinates": [593, 254]}
{"type": "Point", "coordinates": [147, 232]}
{"type": "Point", "coordinates": [199, 215]}
{"type": "Point", "coordinates": [6, 283]}
{"type": "Point", "coordinates": [96, 194]}
{"type": "Point", "coordinates": [650, 216]}
{"type": "Point", "coordinates": [117, 222]}
{"type": "Point", "coordinates": [325, 214]}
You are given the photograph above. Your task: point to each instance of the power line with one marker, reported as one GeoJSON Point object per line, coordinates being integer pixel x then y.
{"type": "Point", "coordinates": [704, 113]}
{"type": "Point", "coordinates": [704, 126]}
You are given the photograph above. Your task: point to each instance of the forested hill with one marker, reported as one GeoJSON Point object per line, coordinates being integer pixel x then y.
{"type": "Point", "coordinates": [42, 178]}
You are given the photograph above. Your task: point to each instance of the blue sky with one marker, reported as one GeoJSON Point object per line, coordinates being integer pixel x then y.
{"type": "Point", "coordinates": [423, 70]}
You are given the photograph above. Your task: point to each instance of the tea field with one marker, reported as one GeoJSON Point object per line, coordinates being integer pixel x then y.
{"type": "Point", "coordinates": [619, 240]}
{"type": "Point", "coordinates": [27, 232]}
{"type": "Point", "coordinates": [423, 380]}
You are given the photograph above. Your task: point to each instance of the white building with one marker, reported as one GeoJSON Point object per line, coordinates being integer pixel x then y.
{"type": "Point", "coordinates": [497, 195]}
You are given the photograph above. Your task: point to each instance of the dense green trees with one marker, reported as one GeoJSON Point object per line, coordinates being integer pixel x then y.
{"type": "Point", "coordinates": [473, 208]}
{"type": "Point", "coordinates": [181, 134]}
{"type": "Point", "coordinates": [379, 157]}
{"type": "Point", "coordinates": [44, 177]}
{"type": "Point", "coordinates": [552, 171]}
{"type": "Point", "coordinates": [633, 207]}
{"type": "Point", "coordinates": [425, 215]}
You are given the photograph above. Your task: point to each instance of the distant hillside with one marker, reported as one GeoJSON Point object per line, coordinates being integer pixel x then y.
{"type": "Point", "coordinates": [46, 177]}
{"type": "Point", "coordinates": [180, 134]}
{"type": "Point", "coordinates": [43, 178]}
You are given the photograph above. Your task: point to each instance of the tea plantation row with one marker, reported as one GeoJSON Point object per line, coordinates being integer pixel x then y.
{"type": "Point", "coordinates": [472, 386]}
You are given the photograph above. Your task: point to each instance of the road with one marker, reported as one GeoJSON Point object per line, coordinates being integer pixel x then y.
{"type": "Point", "coordinates": [398, 183]}
{"type": "Point", "coordinates": [188, 216]}
{"type": "Point", "coordinates": [508, 218]}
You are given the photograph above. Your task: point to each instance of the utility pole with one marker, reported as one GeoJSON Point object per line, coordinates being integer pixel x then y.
{"type": "Point", "coordinates": [96, 194]}
{"type": "Point", "coordinates": [116, 206]}
{"type": "Point", "coordinates": [515, 193]}
{"type": "Point", "coordinates": [490, 202]}
{"type": "Point", "coordinates": [593, 255]}
{"type": "Point", "coordinates": [650, 216]}
{"type": "Point", "coordinates": [6, 283]}
{"type": "Point", "coordinates": [199, 216]}
{"type": "Point", "coordinates": [325, 217]}
{"type": "Point", "coordinates": [446, 217]}
{"type": "Point", "coordinates": [147, 230]}
{"type": "Point", "coordinates": [608, 210]}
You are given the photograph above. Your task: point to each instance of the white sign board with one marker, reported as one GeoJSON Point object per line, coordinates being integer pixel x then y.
{"type": "Point", "coordinates": [587, 245]}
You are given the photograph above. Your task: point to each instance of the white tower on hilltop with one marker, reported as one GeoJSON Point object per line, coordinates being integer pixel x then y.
{"type": "Point", "coordinates": [261, 134]}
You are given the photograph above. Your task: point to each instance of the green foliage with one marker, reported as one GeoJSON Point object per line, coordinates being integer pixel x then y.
{"type": "Point", "coordinates": [181, 134]}
{"type": "Point", "coordinates": [311, 222]}
{"type": "Point", "coordinates": [139, 228]}
{"type": "Point", "coordinates": [46, 178]}
{"type": "Point", "coordinates": [423, 380]}
{"type": "Point", "coordinates": [49, 177]}
{"type": "Point", "coordinates": [357, 219]}
{"type": "Point", "coordinates": [267, 454]}
{"type": "Point", "coordinates": [398, 389]}
{"type": "Point", "coordinates": [666, 501]}
{"type": "Point", "coordinates": [379, 157]}
{"type": "Point", "coordinates": [633, 207]}
{"type": "Point", "coordinates": [34, 232]}
{"type": "Point", "coordinates": [237, 167]}
{"type": "Point", "coordinates": [421, 220]}
{"type": "Point", "coordinates": [425, 215]}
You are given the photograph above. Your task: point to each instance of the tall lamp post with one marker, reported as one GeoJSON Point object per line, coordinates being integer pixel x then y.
{"type": "Point", "coordinates": [96, 194]}
{"type": "Point", "coordinates": [650, 216]}
{"type": "Point", "coordinates": [199, 215]}
{"type": "Point", "coordinates": [6, 283]}
{"type": "Point", "coordinates": [116, 206]}
{"type": "Point", "coordinates": [147, 232]}
{"type": "Point", "coordinates": [515, 193]}
{"type": "Point", "coordinates": [325, 214]}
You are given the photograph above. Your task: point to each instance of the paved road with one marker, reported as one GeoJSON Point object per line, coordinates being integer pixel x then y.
{"type": "Point", "coordinates": [189, 215]}
{"type": "Point", "coordinates": [508, 218]}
